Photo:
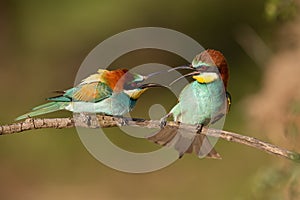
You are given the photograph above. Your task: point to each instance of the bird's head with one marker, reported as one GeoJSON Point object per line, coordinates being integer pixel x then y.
{"type": "Point", "coordinates": [134, 85]}
{"type": "Point", "coordinates": [121, 79]}
{"type": "Point", "coordinates": [207, 67]}
{"type": "Point", "coordinates": [136, 92]}
{"type": "Point", "coordinates": [211, 62]}
{"type": "Point", "coordinates": [131, 83]}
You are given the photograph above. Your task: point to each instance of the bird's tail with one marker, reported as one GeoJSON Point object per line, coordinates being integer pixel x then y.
{"type": "Point", "coordinates": [44, 108]}
{"type": "Point", "coordinates": [203, 148]}
{"type": "Point", "coordinates": [185, 142]}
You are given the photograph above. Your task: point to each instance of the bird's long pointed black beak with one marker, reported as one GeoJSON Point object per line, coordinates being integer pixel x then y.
{"type": "Point", "coordinates": [197, 72]}
{"type": "Point", "coordinates": [190, 67]}
{"type": "Point", "coordinates": [154, 73]}
{"type": "Point", "coordinates": [151, 85]}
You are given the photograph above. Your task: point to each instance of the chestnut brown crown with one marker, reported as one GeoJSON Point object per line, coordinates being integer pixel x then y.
{"type": "Point", "coordinates": [211, 57]}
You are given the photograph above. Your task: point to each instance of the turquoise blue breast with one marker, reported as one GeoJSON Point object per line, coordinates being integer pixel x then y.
{"type": "Point", "coordinates": [199, 103]}
{"type": "Point", "coordinates": [117, 104]}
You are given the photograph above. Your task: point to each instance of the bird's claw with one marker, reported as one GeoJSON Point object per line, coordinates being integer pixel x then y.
{"type": "Point", "coordinates": [199, 128]}
{"type": "Point", "coordinates": [163, 122]}
{"type": "Point", "coordinates": [124, 121]}
{"type": "Point", "coordinates": [181, 155]}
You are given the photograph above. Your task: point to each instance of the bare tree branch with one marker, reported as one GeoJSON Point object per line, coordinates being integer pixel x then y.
{"type": "Point", "coordinates": [100, 121]}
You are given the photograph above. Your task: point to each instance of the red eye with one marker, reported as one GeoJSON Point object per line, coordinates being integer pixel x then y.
{"type": "Point", "coordinates": [130, 86]}
{"type": "Point", "coordinates": [204, 68]}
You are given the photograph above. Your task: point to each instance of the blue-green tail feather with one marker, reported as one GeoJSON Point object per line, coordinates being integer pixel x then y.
{"type": "Point", "coordinates": [44, 105]}
{"type": "Point", "coordinates": [60, 99]}
{"type": "Point", "coordinates": [44, 109]}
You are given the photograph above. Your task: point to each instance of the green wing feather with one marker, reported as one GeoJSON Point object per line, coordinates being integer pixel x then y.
{"type": "Point", "coordinates": [44, 109]}
{"type": "Point", "coordinates": [86, 92]}
{"type": "Point", "coordinates": [91, 92]}
{"type": "Point", "coordinates": [229, 100]}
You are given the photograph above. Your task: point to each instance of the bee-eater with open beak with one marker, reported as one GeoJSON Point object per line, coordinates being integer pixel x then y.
{"type": "Point", "coordinates": [106, 92]}
{"type": "Point", "coordinates": [202, 102]}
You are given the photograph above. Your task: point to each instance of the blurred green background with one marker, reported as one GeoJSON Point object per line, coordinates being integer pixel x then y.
{"type": "Point", "coordinates": [42, 46]}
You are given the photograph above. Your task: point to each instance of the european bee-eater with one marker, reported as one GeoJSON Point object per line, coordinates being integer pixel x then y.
{"type": "Point", "coordinates": [107, 92]}
{"type": "Point", "coordinates": [202, 103]}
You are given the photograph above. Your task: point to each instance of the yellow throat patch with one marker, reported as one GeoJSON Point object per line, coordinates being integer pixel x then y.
{"type": "Point", "coordinates": [206, 77]}
{"type": "Point", "coordinates": [135, 94]}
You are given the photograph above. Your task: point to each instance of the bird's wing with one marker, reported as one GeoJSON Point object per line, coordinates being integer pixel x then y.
{"type": "Point", "coordinates": [91, 89]}
{"type": "Point", "coordinates": [95, 78]}
{"type": "Point", "coordinates": [229, 101]}
{"type": "Point", "coordinates": [92, 92]}
{"type": "Point", "coordinates": [89, 92]}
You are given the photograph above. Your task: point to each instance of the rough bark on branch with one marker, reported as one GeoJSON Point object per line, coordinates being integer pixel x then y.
{"type": "Point", "coordinates": [100, 121]}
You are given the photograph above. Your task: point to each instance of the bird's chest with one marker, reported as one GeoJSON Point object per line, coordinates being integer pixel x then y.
{"type": "Point", "coordinates": [117, 104]}
{"type": "Point", "coordinates": [198, 103]}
